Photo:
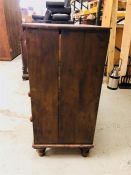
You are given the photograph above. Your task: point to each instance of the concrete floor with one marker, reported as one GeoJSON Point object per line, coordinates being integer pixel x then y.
{"type": "Point", "coordinates": [110, 156]}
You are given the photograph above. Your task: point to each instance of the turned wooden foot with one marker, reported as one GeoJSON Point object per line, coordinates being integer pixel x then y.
{"type": "Point", "coordinates": [84, 151]}
{"type": "Point", "coordinates": [29, 94]}
{"type": "Point", "coordinates": [25, 76]}
{"type": "Point", "coordinates": [31, 119]}
{"type": "Point", "coordinates": [41, 152]}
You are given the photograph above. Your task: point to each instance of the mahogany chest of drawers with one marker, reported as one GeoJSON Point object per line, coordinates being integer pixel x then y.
{"type": "Point", "coordinates": [66, 65]}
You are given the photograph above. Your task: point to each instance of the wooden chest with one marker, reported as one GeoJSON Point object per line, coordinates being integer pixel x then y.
{"type": "Point", "coordinates": [66, 66]}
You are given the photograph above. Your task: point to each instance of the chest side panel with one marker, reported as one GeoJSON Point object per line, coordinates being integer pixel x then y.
{"type": "Point", "coordinates": [42, 46]}
{"type": "Point", "coordinates": [82, 63]}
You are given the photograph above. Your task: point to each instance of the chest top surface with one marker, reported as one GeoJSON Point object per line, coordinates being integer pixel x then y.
{"type": "Point", "coordinates": [64, 26]}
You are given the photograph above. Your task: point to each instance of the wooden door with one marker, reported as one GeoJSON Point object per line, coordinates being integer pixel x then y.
{"type": "Point", "coordinates": [83, 56]}
{"type": "Point", "coordinates": [43, 52]}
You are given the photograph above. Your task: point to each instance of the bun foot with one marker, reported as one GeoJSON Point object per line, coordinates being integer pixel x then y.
{"type": "Point", "coordinates": [41, 152]}
{"type": "Point", "coordinates": [29, 94]}
{"type": "Point", "coordinates": [25, 77]}
{"type": "Point", "coordinates": [31, 119]}
{"type": "Point", "coordinates": [84, 151]}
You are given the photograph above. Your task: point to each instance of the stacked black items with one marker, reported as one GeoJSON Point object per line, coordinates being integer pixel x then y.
{"type": "Point", "coordinates": [57, 12]}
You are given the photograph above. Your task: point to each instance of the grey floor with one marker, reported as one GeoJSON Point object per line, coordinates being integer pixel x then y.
{"type": "Point", "coordinates": [110, 156]}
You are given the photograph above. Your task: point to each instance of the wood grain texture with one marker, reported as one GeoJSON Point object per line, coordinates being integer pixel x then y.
{"type": "Point", "coordinates": [63, 145]}
{"type": "Point", "coordinates": [107, 13]}
{"type": "Point", "coordinates": [4, 43]}
{"type": "Point", "coordinates": [111, 47]}
{"type": "Point", "coordinates": [65, 74]}
{"type": "Point", "coordinates": [13, 22]}
{"type": "Point", "coordinates": [24, 55]}
{"type": "Point", "coordinates": [42, 46]}
{"type": "Point", "coordinates": [64, 26]}
{"type": "Point", "coordinates": [119, 34]}
{"type": "Point", "coordinates": [126, 39]}
{"type": "Point", "coordinates": [10, 22]}
{"type": "Point", "coordinates": [82, 61]}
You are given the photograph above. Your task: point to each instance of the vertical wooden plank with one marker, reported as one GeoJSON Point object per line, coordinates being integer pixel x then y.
{"type": "Point", "coordinates": [111, 47]}
{"type": "Point", "coordinates": [83, 56]}
{"type": "Point", "coordinates": [42, 46]}
{"type": "Point", "coordinates": [107, 13]}
{"type": "Point", "coordinates": [126, 39]}
{"type": "Point", "coordinates": [109, 20]}
{"type": "Point", "coordinates": [13, 21]}
{"type": "Point", "coordinates": [4, 44]}
{"type": "Point", "coordinates": [119, 32]}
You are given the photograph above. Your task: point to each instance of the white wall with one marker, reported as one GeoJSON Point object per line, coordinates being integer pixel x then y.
{"type": "Point", "coordinates": [38, 5]}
